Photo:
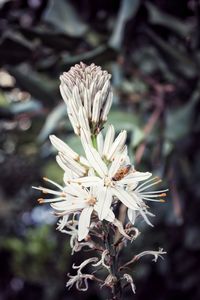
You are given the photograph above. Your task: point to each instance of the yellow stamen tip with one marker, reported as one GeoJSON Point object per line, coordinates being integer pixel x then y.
{"type": "Point", "coordinates": [163, 195]}
{"type": "Point", "coordinates": [162, 201]}
{"type": "Point", "coordinates": [40, 200]}
{"type": "Point", "coordinates": [45, 178]}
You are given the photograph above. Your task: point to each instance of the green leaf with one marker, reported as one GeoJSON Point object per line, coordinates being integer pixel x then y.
{"type": "Point", "coordinates": [158, 17]}
{"type": "Point", "coordinates": [37, 84]}
{"type": "Point", "coordinates": [98, 55]}
{"type": "Point", "coordinates": [122, 119]}
{"type": "Point", "coordinates": [52, 122]}
{"type": "Point", "coordinates": [177, 60]}
{"type": "Point", "coordinates": [128, 10]}
{"type": "Point", "coordinates": [179, 122]}
{"type": "Point", "coordinates": [138, 136]}
{"type": "Point", "coordinates": [14, 48]}
{"type": "Point", "coordinates": [62, 15]}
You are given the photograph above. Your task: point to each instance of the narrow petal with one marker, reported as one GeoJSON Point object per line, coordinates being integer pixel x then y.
{"type": "Point", "coordinates": [95, 160]}
{"type": "Point", "coordinates": [87, 181]}
{"type": "Point", "coordinates": [117, 162]}
{"type": "Point", "coordinates": [136, 176]}
{"type": "Point", "coordinates": [107, 106]}
{"type": "Point", "coordinates": [83, 119]}
{"type": "Point", "coordinates": [76, 190]}
{"type": "Point", "coordinates": [68, 205]}
{"type": "Point", "coordinates": [76, 96]}
{"type": "Point", "coordinates": [110, 216]}
{"type": "Point", "coordinates": [72, 164]}
{"type": "Point", "coordinates": [117, 145]}
{"type": "Point", "coordinates": [104, 200]}
{"type": "Point", "coordinates": [62, 147]}
{"type": "Point", "coordinates": [110, 134]}
{"type": "Point", "coordinates": [105, 90]}
{"type": "Point", "coordinates": [87, 102]}
{"type": "Point", "coordinates": [85, 138]}
{"type": "Point", "coordinates": [100, 143]}
{"type": "Point", "coordinates": [131, 215]}
{"type": "Point", "coordinates": [84, 222]}
{"type": "Point", "coordinates": [125, 197]}
{"type": "Point", "coordinates": [96, 107]}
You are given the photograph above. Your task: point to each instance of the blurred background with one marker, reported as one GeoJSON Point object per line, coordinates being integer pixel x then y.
{"type": "Point", "coordinates": [152, 49]}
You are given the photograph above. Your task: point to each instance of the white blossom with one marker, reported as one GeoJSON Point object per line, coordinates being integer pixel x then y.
{"type": "Point", "coordinates": [141, 193]}
{"type": "Point", "coordinates": [106, 185]}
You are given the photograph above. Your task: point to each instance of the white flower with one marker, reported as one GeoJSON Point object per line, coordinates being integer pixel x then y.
{"type": "Point", "coordinates": [141, 193]}
{"type": "Point", "coordinates": [81, 200]}
{"type": "Point", "coordinates": [107, 184]}
{"type": "Point", "coordinates": [87, 93]}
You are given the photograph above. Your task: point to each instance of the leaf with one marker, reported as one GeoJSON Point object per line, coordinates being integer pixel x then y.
{"type": "Point", "coordinates": [158, 17]}
{"type": "Point", "coordinates": [179, 122]}
{"type": "Point", "coordinates": [52, 121]}
{"type": "Point", "coordinates": [179, 61]}
{"type": "Point", "coordinates": [137, 137]}
{"type": "Point", "coordinates": [99, 54]}
{"type": "Point", "coordinates": [121, 119]}
{"type": "Point", "coordinates": [62, 15]}
{"type": "Point", "coordinates": [128, 10]}
{"type": "Point", "coordinates": [38, 85]}
{"type": "Point", "coordinates": [24, 107]}
{"type": "Point", "coordinates": [23, 49]}
{"type": "Point", "coordinates": [55, 40]}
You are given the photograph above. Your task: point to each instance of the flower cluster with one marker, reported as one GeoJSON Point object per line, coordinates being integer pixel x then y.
{"type": "Point", "coordinates": [98, 182]}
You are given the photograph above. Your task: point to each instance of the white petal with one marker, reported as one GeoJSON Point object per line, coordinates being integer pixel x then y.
{"type": "Point", "coordinates": [105, 90]}
{"type": "Point", "coordinates": [88, 181]}
{"type": "Point", "coordinates": [131, 215]}
{"type": "Point", "coordinates": [107, 107]}
{"type": "Point", "coordinates": [104, 200]}
{"type": "Point", "coordinates": [117, 163]}
{"type": "Point", "coordinates": [76, 97]}
{"type": "Point", "coordinates": [69, 174]}
{"type": "Point", "coordinates": [96, 107]}
{"type": "Point", "coordinates": [84, 222]}
{"type": "Point", "coordinates": [136, 177]}
{"type": "Point", "coordinates": [65, 93]}
{"type": "Point", "coordinates": [83, 119]}
{"type": "Point", "coordinates": [69, 205]}
{"type": "Point", "coordinates": [100, 143]}
{"type": "Point", "coordinates": [77, 190]}
{"type": "Point", "coordinates": [87, 102]}
{"type": "Point", "coordinates": [117, 145]}
{"type": "Point", "coordinates": [125, 197]}
{"type": "Point", "coordinates": [110, 216]}
{"type": "Point", "coordinates": [85, 137]}
{"type": "Point", "coordinates": [62, 147]}
{"type": "Point", "coordinates": [72, 164]}
{"type": "Point", "coordinates": [95, 160]}
{"type": "Point", "coordinates": [110, 134]}
{"type": "Point", "coordinates": [73, 122]}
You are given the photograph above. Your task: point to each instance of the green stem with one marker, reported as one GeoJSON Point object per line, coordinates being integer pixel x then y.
{"type": "Point", "coordinates": [94, 140]}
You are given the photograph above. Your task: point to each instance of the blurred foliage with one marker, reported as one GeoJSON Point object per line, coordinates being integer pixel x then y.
{"type": "Point", "coordinates": [152, 49]}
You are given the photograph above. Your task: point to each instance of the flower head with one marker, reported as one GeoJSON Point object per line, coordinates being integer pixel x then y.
{"type": "Point", "coordinates": [86, 91]}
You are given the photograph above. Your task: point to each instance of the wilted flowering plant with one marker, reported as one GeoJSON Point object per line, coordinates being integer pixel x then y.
{"type": "Point", "coordinates": [96, 184]}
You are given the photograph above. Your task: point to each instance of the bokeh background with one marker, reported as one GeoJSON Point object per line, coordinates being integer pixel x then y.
{"type": "Point", "coordinates": [152, 49]}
